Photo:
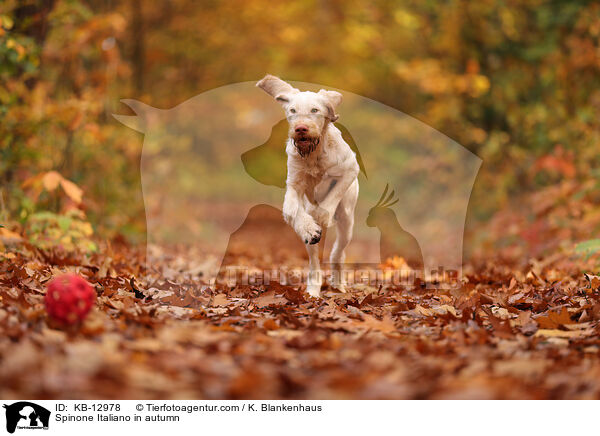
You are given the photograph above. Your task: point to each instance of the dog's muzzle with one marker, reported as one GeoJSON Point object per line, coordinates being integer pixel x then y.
{"type": "Point", "coordinates": [306, 146]}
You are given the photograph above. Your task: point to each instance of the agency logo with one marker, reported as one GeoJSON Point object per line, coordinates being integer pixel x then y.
{"type": "Point", "coordinates": [24, 415]}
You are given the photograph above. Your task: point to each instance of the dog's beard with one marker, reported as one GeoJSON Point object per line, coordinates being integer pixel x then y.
{"type": "Point", "coordinates": [306, 146]}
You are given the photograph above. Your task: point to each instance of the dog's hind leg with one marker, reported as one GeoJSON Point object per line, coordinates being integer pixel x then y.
{"type": "Point", "coordinates": [344, 221]}
{"type": "Point", "coordinates": [315, 275]}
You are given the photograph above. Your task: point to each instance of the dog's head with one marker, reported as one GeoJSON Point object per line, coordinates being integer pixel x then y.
{"type": "Point", "coordinates": [307, 112]}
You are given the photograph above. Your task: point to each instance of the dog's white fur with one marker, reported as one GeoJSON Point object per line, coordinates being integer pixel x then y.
{"type": "Point", "coordinates": [321, 187]}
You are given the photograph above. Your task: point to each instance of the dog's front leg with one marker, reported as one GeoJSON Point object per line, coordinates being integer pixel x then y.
{"type": "Point", "coordinates": [305, 226]}
{"type": "Point", "coordinates": [315, 275]}
{"type": "Point", "coordinates": [296, 216]}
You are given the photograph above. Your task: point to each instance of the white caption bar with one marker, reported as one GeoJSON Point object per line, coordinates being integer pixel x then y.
{"type": "Point", "coordinates": [23, 417]}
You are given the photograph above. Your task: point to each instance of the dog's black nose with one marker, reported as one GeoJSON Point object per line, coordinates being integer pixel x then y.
{"type": "Point", "coordinates": [301, 129]}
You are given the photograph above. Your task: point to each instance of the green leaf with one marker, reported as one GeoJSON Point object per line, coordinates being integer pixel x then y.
{"type": "Point", "coordinates": [7, 22]}
{"type": "Point", "coordinates": [64, 223]}
{"type": "Point", "coordinates": [588, 248]}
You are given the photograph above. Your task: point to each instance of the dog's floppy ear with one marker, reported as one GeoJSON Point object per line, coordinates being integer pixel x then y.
{"type": "Point", "coordinates": [332, 101]}
{"type": "Point", "coordinates": [276, 88]}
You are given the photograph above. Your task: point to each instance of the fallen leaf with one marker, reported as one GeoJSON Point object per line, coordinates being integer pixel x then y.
{"type": "Point", "coordinates": [269, 298]}
{"type": "Point", "coordinates": [554, 319]}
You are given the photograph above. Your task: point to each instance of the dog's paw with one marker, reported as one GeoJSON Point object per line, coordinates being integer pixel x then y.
{"type": "Point", "coordinates": [314, 290]}
{"type": "Point", "coordinates": [338, 284]}
{"type": "Point", "coordinates": [309, 231]}
{"type": "Point", "coordinates": [340, 287]}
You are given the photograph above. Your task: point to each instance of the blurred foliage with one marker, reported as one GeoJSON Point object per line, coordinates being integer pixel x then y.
{"type": "Point", "coordinates": [588, 248]}
{"type": "Point", "coordinates": [68, 231]}
{"type": "Point", "coordinates": [515, 82]}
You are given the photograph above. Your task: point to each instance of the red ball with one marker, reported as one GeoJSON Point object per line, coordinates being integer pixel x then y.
{"type": "Point", "coordinates": [69, 299]}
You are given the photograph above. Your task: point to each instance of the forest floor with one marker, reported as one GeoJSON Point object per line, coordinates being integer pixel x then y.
{"type": "Point", "coordinates": [509, 331]}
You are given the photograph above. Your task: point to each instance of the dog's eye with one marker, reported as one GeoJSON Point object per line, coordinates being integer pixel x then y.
{"type": "Point", "coordinates": [314, 110]}
{"type": "Point", "coordinates": [293, 111]}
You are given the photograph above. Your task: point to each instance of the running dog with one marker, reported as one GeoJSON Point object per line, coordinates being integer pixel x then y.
{"type": "Point", "coordinates": [322, 170]}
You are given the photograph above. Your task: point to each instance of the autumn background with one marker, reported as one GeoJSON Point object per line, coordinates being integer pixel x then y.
{"type": "Point", "coordinates": [516, 83]}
